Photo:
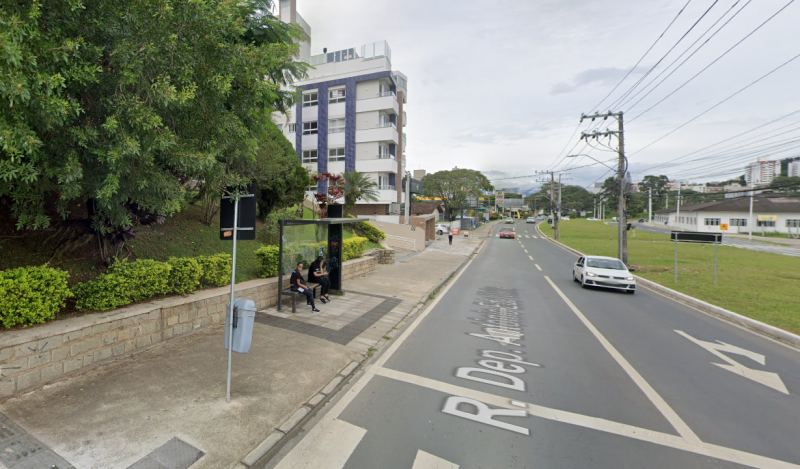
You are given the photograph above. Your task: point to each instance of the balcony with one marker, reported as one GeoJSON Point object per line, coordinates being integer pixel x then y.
{"type": "Point", "coordinates": [386, 187]}
{"type": "Point", "coordinates": [378, 134]}
{"type": "Point", "coordinates": [383, 125]}
{"type": "Point", "coordinates": [377, 165]}
{"type": "Point", "coordinates": [378, 103]}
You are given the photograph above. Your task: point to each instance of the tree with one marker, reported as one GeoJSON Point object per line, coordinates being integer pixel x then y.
{"type": "Point", "coordinates": [358, 186]}
{"type": "Point", "coordinates": [334, 191]}
{"type": "Point", "coordinates": [659, 186]}
{"type": "Point", "coordinates": [119, 105]}
{"type": "Point", "coordinates": [453, 188]}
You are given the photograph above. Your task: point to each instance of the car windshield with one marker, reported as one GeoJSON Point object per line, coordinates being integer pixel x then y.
{"type": "Point", "coordinates": [506, 229]}
{"type": "Point", "coordinates": [612, 264]}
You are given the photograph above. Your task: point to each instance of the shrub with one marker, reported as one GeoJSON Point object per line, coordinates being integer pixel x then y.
{"type": "Point", "coordinates": [353, 248]}
{"type": "Point", "coordinates": [31, 295]}
{"type": "Point", "coordinates": [368, 231]}
{"type": "Point", "coordinates": [185, 273]}
{"type": "Point", "coordinates": [216, 270]}
{"type": "Point", "coordinates": [145, 279]}
{"type": "Point", "coordinates": [267, 261]}
{"type": "Point", "coordinates": [108, 291]}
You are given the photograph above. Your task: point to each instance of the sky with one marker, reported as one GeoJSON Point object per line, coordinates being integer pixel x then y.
{"type": "Point", "coordinates": [500, 86]}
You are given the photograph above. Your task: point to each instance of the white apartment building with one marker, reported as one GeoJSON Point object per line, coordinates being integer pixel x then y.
{"type": "Point", "coordinates": [794, 169]}
{"type": "Point", "coordinates": [762, 171]}
{"type": "Point", "coordinates": [351, 115]}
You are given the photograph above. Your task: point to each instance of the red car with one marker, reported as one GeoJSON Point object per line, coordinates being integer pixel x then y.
{"type": "Point", "coordinates": [507, 233]}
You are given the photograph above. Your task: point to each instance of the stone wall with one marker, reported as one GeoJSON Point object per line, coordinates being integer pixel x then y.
{"type": "Point", "coordinates": [384, 256]}
{"type": "Point", "coordinates": [33, 357]}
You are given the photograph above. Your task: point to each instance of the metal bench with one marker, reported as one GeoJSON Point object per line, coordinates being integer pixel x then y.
{"type": "Point", "coordinates": [311, 286]}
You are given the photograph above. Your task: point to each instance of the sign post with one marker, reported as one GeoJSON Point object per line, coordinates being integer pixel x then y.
{"type": "Point", "coordinates": [696, 237]}
{"type": "Point", "coordinates": [230, 229]}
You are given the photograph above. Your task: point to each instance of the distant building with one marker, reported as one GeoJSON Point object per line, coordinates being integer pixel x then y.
{"type": "Point", "coordinates": [596, 187]}
{"type": "Point", "coordinates": [762, 171]}
{"type": "Point", "coordinates": [794, 169]}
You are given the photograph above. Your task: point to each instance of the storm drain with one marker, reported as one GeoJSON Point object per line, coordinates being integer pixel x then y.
{"type": "Point", "coordinates": [174, 454]}
{"type": "Point", "coordinates": [19, 450]}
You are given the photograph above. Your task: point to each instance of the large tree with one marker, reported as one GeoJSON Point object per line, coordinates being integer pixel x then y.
{"type": "Point", "coordinates": [454, 188]}
{"type": "Point", "coordinates": [118, 105]}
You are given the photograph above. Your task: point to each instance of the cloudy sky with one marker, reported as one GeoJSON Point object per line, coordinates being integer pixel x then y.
{"type": "Point", "coordinates": [500, 86]}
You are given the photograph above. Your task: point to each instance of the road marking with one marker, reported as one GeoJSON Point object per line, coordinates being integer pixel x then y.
{"type": "Point", "coordinates": [537, 266]}
{"type": "Point", "coordinates": [333, 448]}
{"type": "Point", "coordinates": [767, 378]}
{"type": "Point", "coordinates": [593, 423]}
{"type": "Point", "coordinates": [428, 461]}
{"type": "Point", "coordinates": [673, 418]}
{"type": "Point", "coordinates": [526, 251]}
{"type": "Point", "coordinates": [535, 237]}
{"type": "Point", "coordinates": [530, 257]}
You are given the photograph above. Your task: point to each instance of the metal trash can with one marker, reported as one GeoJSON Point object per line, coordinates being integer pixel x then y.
{"type": "Point", "coordinates": [242, 324]}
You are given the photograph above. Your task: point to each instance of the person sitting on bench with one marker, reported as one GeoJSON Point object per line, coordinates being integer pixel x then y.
{"type": "Point", "coordinates": [318, 274]}
{"type": "Point", "coordinates": [297, 285]}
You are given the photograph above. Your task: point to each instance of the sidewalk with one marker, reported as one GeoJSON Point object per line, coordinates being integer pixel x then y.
{"type": "Point", "coordinates": [165, 407]}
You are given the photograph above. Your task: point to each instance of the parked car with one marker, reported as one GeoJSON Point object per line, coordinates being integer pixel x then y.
{"type": "Point", "coordinates": [507, 233]}
{"type": "Point", "coordinates": [509, 220]}
{"type": "Point", "coordinates": [442, 228]}
{"type": "Point", "coordinates": [530, 220]}
{"type": "Point", "coordinates": [613, 218]}
{"type": "Point", "coordinates": [605, 272]}
{"type": "Point", "coordinates": [540, 217]}
{"type": "Point", "coordinates": [565, 218]}
{"type": "Point", "coordinates": [642, 220]}
{"type": "Point", "coordinates": [593, 219]}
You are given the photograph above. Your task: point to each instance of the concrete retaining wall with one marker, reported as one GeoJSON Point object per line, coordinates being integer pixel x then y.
{"type": "Point", "coordinates": [384, 256]}
{"type": "Point", "coordinates": [33, 357]}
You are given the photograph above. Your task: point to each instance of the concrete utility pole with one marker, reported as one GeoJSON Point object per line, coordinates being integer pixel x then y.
{"type": "Point", "coordinates": [650, 206]}
{"type": "Point", "coordinates": [622, 168]}
{"type": "Point", "coordinates": [750, 217]}
{"type": "Point", "coordinates": [678, 213]}
{"type": "Point", "coordinates": [408, 197]}
{"type": "Point", "coordinates": [554, 205]}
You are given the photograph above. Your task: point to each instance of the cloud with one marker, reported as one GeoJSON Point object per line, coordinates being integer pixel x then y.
{"type": "Point", "coordinates": [607, 76]}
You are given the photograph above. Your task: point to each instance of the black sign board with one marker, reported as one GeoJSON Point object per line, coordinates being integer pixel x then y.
{"type": "Point", "coordinates": [246, 226]}
{"type": "Point", "coordinates": [696, 237]}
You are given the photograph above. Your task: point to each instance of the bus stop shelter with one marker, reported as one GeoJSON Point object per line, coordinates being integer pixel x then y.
{"type": "Point", "coordinates": [305, 240]}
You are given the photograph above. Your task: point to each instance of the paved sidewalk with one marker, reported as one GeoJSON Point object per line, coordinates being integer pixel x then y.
{"type": "Point", "coordinates": [168, 404]}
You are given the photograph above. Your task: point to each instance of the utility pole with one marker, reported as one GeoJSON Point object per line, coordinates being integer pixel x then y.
{"type": "Point", "coordinates": [678, 213]}
{"type": "Point", "coordinates": [622, 168]}
{"type": "Point", "coordinates": [594, 207]}
{"type": "Point", "coordinates": [408, 198]}
{"type": "Point", "coordinates": [650, 206]}
{"type": "Point", "coordinates": [553, 206]}
{"type": "Point", "coordinates": [750, 217]}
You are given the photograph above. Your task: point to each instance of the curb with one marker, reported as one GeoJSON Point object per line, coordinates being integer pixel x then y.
{"type": "Point", "coordinates": [268, 447]}
{"type": "Point", "coordinates": [705, 307]}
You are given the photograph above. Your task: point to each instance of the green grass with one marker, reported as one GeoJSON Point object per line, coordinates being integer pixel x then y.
{"type": "Point", "coordinates": [759, 285]}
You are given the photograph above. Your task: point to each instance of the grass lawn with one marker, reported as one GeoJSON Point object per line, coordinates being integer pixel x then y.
{"type": "Point", "coordinates": [758, 285]}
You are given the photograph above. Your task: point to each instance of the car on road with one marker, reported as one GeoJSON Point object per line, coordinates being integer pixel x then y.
{"type": "Point", "coordinates": [507, 233]}
{"type": "Point", "coordinates": [540, 217]}
{"type": "Point", "coordinates": [530, 220]}
{"type": "Point", "coordinates": [593, 219]}
{"type": "Point", "coordinates": [613, 218]}
{"type": "Point", "coordinates": [605, 272]}
{"type": "Point", "coordinates": [442, 228]}
{"type": "Point", "coordinates": [642, 220]}
{"type": "Point", "coordinates": [509, 220]}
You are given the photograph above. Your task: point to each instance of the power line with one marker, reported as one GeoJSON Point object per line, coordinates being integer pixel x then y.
{"type": "Point", "coordinates": [712, 63]}
{"type": "Point", "coordinates": [716, 105]}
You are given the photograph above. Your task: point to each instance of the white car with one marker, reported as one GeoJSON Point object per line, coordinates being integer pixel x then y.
{"type": "Point", "coordinates": [442, 228]}
{"type": "Point", "coordinates": [530, 220]}
{"type": "Point", "coordinates": [509, 220]}
{"type": "Point", "coordinates": [592, 219]}
{"type": "Point", "coordinates": [606, 272]}
{"type": "Point", "coordinates": [565, 218]}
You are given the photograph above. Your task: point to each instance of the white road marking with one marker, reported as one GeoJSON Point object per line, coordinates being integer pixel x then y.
{"type": "Point", "coordinates": [593, 423]}
{"type": "Point", "coordinates": [535, 237]}
{"type": "Point", "coordinates": [767, 378]}
{"type": "Point", "coordinates": [428, 461]}
{"type": "Point", "coordinates": [332, 449]}
{"type": "Point", "coordinates": [531, 257]}
{"type": "Point", "coordinates": [526, 251]}
{"type": "Point", "coordinates": [673, 418]}
{"type": "Point", "coordinates": [537, 266]}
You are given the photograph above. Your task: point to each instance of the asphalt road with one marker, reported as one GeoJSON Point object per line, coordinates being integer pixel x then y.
{"type": "Point", "coordinates": [734, 241]}
{"type": "Point", "coordinates": [517, 367]}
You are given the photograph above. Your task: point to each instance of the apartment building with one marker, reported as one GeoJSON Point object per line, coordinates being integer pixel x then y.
{"type": "Point", "coordinates": [351, 115]}
{"type": "Point", "coordinates": [794, 169]}
{"type": "Point", "coordinates": [762, 171]}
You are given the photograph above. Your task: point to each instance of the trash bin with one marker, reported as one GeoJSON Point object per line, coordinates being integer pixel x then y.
{"type": "Point", "coordinates": [242, 324]}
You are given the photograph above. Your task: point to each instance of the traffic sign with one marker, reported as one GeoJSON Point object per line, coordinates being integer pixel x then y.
{"type": "Point", "coordinates": [723, 226]}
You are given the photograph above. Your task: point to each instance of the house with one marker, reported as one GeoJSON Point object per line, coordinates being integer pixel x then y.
{"type": "Point", "coordinates": [425, 215]}
{"type": "Point", "coordinates": [772, 212]}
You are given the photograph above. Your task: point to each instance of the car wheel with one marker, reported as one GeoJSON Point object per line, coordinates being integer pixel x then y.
{"type": "Point", "coordinates": [439, 232]}
{"type": "Point", "coordinates": [574, 278]}
{"type": "Point", "coordinates": [583, 284]}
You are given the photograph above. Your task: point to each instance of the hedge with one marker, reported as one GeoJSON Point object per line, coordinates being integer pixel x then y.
{"type": "Point", "coordinates": [31, 295]}
{"type": "Point", "coordinates": [146, 279]}
{"type": "Point", "coordinates": [371, 233]}
{"type": "Point", "coordinates": [268, 255]}
{"type": "Point", "coordinates": [184, 277]}
{"type": "Point", "coordinates": [216, 270]}
{"type": "Point", "coordinates": [108, 291]}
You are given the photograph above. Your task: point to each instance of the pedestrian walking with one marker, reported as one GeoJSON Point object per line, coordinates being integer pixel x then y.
{"type": "Point", "coordinates": [318, 274]}
{"type": "Point", "coordinates": [296, 284]}
{"type": "Point", "coordinates": [450, 237]}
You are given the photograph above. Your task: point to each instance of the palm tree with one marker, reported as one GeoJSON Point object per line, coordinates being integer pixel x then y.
{"type": "Point", "coordinates": [357, 187]}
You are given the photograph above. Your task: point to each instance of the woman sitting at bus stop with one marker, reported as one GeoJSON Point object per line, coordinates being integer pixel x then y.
{"type": "Point", "coordinates": [318, 274]}
{"type": "Point", "coordinates": [296, 284]}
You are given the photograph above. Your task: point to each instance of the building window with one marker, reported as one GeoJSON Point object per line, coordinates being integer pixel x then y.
{"type": "Point", "coordinates": [792, 223]}
{"type": "Point", "coordinates": [310, 99]}
{"type": "Point", "coordinates": [309, 128]}
{"type": "Point", "coordinates": [712, 221]}
{"type": "Point", "coordinates": [738, 222]}
{"type": "Point", "coordinates": [335, 154]}
{"type": "Point", "coordinates": [766, 224]}
{"type": "Point", "coordinates": [383, 152]}
{"type": "Point", "coordinates": [335, 126]}
{"type": "Point", "coordinates": [309, 156]}
{"type": "Point", "coordinates": [292, 128]}
{"type": "Point", "coordinates": [336, 96]}
{"type": "Point", "coordinates": [312, 188]}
